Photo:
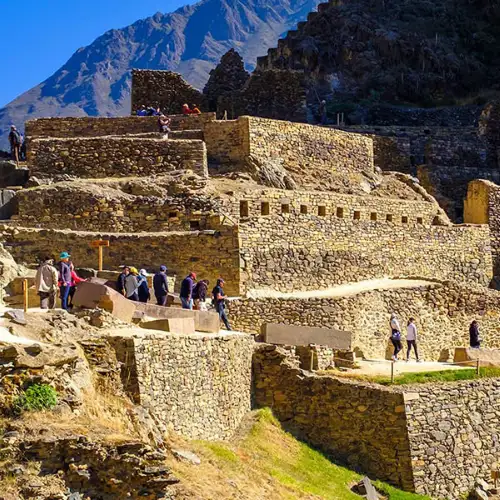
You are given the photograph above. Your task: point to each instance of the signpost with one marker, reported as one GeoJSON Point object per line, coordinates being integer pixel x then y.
{"type": "Point", "coordinates": [99, 244]}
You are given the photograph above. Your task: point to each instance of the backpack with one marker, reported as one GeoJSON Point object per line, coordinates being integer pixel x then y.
{"type": "Point", "coordinates": [16, 137]}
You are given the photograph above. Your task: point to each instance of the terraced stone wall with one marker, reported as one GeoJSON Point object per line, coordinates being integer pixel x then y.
{"type": "Point", "coordinates": [210, 254]}
{"type": "Point", "coordinates": [199, 384]}
{"type": "Point", "coordinates": [298, 251]}
{"type": "Point", "coordinates": [98, 126]}
{"type": "Point", "coordinates": [443, 313]}
{"type": "Point", "coordinates": [99, 157]}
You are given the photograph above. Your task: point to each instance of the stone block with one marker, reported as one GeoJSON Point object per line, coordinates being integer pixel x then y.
{"type": "Point", "coordinates": [281, 334]}
{"type": "Point", "coordinates": [94, 293]}
{"type": "Point", "coordinates": [469, 356]}
{"type": "Point", "coordinates": [172, 325]}
{"type": "Point", "coordinates": [204, 321]}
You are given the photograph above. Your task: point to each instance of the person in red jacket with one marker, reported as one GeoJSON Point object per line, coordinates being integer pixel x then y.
{"type": "Point", "coordinates": [186, 110]}
{"type": "Point", "coordinates": [75, 279]}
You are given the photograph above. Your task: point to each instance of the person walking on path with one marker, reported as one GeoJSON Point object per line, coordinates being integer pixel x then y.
{"type": "Point", "coordinates": [132, 285]}
{"type": "Point", "coordinates": [186, 293]}
{"type": "Point", "coordinates": [322, 112]}
{"type": "Point", "coordinates": [143, 290]}
{"type": "Point", "coordinates": [75, 280]}
{"type": "Point", "coordinates": [475, 339]}
{"type": "Point", "coordinates": [15, 142]}
{"type": "Point", "coordinates": [219, 302]}
{"type": "Point", "coordinates": [395, 336]}
{"type": "Point", "coordinates": [160, 286]}
{"type": "Point", "coordinates": [200, 295]}
{"type": "Point", "coordinates": [64, 279]}
{"type": "Point", "coordinates": [411, 339]}
{"type": "Point", "coordinates": [46, 283]}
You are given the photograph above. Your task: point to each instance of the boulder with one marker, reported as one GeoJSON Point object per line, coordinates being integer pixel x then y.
{"type": "Point", "coordinates": [38, 355]}
{"type": "Point", "coordinates": [468, 356]}
{"type": "Point", "coordinates": [94, 293]}
{"type": "Point", "coordinates": [172, 325]}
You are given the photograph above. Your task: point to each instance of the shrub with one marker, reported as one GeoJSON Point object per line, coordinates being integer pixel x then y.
{"type": "Point", "coordinates": [37, 397]}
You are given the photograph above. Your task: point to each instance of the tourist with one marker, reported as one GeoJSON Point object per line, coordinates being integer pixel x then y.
{"type": "Point", "coordinates": [185, 109]}
{"type": "Point", "coordinates": [132, 285]}
{"type": "Point", "coordinates": [322, 112]}
{"type": "Point", "coordinates": [218, 300]}
{"type": "Point", "coordinates": [164, 125]}
{"type": "Point", "coordinates": [143, 289]}
{"type": "Point", "coordinates": [142, 111]}
{"type": "Point", "coordinates": [46, 283]}
{"type": "Point", "coordinates": [195, 110]}
{"type": "Point", "coordinates": [475, 339]}
{"type": "Point", "coordinates": [200, 295]}
{"type": "Point", "coordinates": [395, 336]}
{"type": "Point", "coordinates": [15, 143]}
{"type": "Point", "coordinates": [411, 339]}
{"type": "Point", "coordinates": [160, 285]}
{"type": "Point", "coordinates": [23, 148]}
{"type": "Point", "coordinates": [75, 280]}
{"type": "Point", "coordinates": [186, 293]}
{"type": "Point", "coordinates": [120, 282]}
{"type": "Point", "coordinates": [64, 278]}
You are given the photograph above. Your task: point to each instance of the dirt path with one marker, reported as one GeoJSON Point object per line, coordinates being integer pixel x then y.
{"type": "Point", "coordinates": [346, 290]}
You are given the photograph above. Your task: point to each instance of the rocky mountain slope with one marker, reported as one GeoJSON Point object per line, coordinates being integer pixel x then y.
{"type": "Point", "coordinates": [96, 79]}
{"type": "Point", "coordinates": [420, 53]}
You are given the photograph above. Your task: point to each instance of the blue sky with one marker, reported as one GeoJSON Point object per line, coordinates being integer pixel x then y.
{"type": "Point", "coordinates": [39, 36]}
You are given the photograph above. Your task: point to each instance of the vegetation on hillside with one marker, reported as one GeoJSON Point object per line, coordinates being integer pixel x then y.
{"type": "Point", "coordinates": [267, 462]}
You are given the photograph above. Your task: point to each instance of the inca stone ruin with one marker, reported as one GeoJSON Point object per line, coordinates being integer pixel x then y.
{"type": "Point", "coordinates": [320, 233]}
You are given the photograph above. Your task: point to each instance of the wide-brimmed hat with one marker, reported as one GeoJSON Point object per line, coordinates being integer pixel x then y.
{"type": "Point", "coordinates": [64, 255]}
{"type": "Point", "coordinates": [143, 272]}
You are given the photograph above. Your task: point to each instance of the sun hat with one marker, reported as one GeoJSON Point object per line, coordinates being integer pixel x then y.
{"type": "Point", "coordinates": [143, 272]}
{"type": "Point", "coordinates": [64, 255]}
{"type": "Point", "coordinates": [134, 270]}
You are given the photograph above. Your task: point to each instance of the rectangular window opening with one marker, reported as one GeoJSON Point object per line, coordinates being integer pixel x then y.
{"type": "Point", "coordinates": [389, 218]}
{"type": "Point", "coordinates": [303, 209]}
{"type": "Point", "coordinates": [244, 209]}
{"type": "Point", "coordinates": [322, 210]}
{"type": "Point", "coordinates": [264, 208]}
{"type": "Point", "coordinates": [357, 215]}
{"type": "Point", "coordinates": [285, 208]}
{"type": "Point", "coordinates": [340, 212]}
{"type": "Point", "coordinates": [420, 220]}
{"type": "Point", "coordinates": [373, 216]}
{"type": "Point", "coordinates": [172, 215]}
{"type": "Point", "coordinates": [404, 219]}
{"type": "Point", "coordinates": [194, 225]}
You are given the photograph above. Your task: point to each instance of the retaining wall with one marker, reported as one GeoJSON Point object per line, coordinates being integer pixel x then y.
{"type": "Point", "coordinates": [199, 384]}
{"type": "Point", "coordinates": [98, 157]}
{"type": "Point", "coordinates": [443, 313]}
{"type": "Point", "coordinates": [210, 253]}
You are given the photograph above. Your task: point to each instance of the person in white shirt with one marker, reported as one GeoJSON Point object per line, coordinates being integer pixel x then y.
{"type": "Point", "coordinates": [395, 336]}
{"type": "Point", "coordinates": [411, 339]}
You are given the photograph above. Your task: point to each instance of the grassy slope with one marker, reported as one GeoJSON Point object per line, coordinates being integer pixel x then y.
{"type": "Point", "coordinates": [269, 463]}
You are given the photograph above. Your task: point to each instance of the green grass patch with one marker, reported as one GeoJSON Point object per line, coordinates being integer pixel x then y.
{"type": "Point", "coordinates": [37, 397]}
{"type": "Point", "coordinates": [298, 471]}
{"type": "Point", "coordinates": [438, 376]}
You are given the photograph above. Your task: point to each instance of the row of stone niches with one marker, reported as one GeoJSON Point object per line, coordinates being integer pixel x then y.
{"type": "Point", "coordinates": [321, 211]}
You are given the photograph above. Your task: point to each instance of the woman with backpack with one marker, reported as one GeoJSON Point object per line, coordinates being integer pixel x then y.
{"type": "Point", "coordinates": [395, 336]}
{"type": "Point", "coordinates": [143, 289]}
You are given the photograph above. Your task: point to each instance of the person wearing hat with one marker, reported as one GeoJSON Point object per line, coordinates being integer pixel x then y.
{"type": "Point", "coordinates": [132, 285]}
{"type": "Point", "coordinates": [143, 288]}
{"type": "Point", "coordinates": [64, 278]}
{"type": "Point", "coordinates": [160, 286]}
{"type": "Point", "coordinates": [186, 293]}
{"type": "Point", "coordinates": [15, 142]}
{"type": "Point", "coordinates": [218, 300]}
{"type": "Point", "coordinates": [46, 283]}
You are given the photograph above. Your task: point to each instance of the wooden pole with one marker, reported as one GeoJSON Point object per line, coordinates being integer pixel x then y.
{"type": "Point", "coordinates": [99, 249]}
{"type": "Point", "coordinates": [392, 372]}
{"type": "Point", "coordinates": [25, 294]}
{"type": "Point", "coordinates": [477, 365]}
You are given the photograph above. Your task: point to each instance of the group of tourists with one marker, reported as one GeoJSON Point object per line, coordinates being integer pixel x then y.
{"type": "Point", "coordinates": [17, 145]}
{"type": "Point", "coordinates": [49, 279]}
{"type": "Point", "coordinates": [411, 337]}
{"type": "Point", "coordinates": [133, 285]}
{"type": "Point", "coordinates": [193, 295]}
{"type": "Point", "coordinates": [193, 110]}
